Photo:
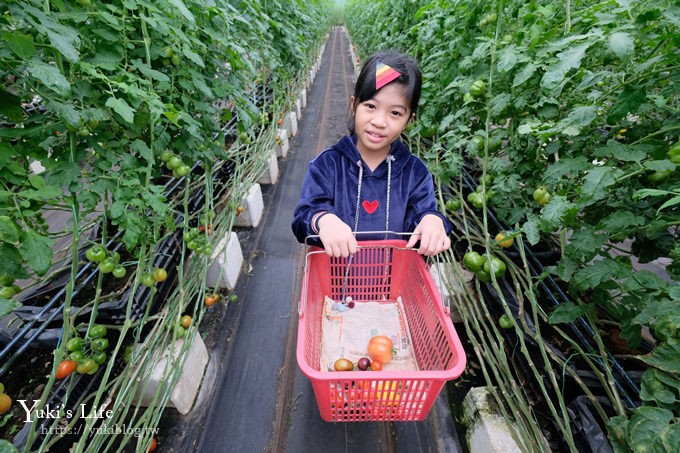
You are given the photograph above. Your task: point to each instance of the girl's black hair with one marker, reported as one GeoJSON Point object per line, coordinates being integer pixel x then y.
{"type": "Point", "coordinates": [410, 78]}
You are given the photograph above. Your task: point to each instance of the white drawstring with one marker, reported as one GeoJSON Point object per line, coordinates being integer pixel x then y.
{"type": "Point", "coordinates": [389, 160]}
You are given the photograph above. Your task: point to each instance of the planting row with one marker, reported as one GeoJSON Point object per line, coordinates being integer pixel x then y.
{"type": "Point", "coordinates": [132, 137]}
{"type": "Point", "coordinates": [566, 116]}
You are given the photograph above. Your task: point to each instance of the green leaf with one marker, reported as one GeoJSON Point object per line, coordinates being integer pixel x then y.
{"type": "Point", "coordinates": [121, 107]}
{"type": "Point", "coordinates": [584, 244]}
{"type": "Point", "coordinates": [10, 106]}
{"type": "Point", "coordinates": [666, 356]}
{"type": "Point", "coordinates": [598, 272]}
{"type": "Point", "coordinates": [566, 60]}
{"type": "Point", "coordinates": [20, 44]}
{"type": "Point", "coordinates": [66, 112]}
{"type": "Point", "coordinates": [555, 210]}
{"type": "Point", "coordinates": [597, 181]}
{"type": "Point", "coordinates": [193, 56]}
{"type": "Point", "coordinates": [143, 150]}
{"type": "Point", "coordinates": [629, 101]}
{"type": "Point", "coordinates": [149, 71]}
{"type": "Point", "coordinates": [531, 231]}
{"type": "Point", "coordinates": [37, 251]}
{"type": "Point", "coordinates": [569, 312]}
{"type": "Point", "coordinates": [44, 194]}
{"type": "Point", "coordinates": [622, 44]}
{"type": "Point", "coordinates": [669, 437]}
{"type": "Point", "coordinates": [49, 75]}
{"type": "Point", "coordinates": [7, 306]}
{"type": "Point", "coordinates": [8, 230]}
{"type": "Point", "coordinates": [525, 74]}
{"type": "Point", "coordinates": [645, 425]}
{"type": "Point", "coordinates": [507, 59]}
{"type": "Point", "coordinates": [621, 220]}
{"type": "Point", "coordinates": [183, 10]}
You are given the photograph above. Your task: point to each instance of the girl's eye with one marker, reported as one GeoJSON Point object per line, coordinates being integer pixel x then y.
{"type": "Point", "coordinates": [396, 113]}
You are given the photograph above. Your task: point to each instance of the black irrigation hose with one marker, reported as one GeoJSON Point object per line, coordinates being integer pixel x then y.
{"type": "Point", "coordinates": [536, 268]}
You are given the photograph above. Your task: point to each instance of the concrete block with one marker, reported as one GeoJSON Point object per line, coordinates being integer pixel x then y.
{"type": "Point", "coordinates": [298, 109]}
{"type": "Point", "coordinates": [186, 389]}
{"type": "Point", "coordinates": [271, 173]}
{"type": "Point", "coordinates": [290, 123]}
{"type": "Point", "coordinates": [282, 143]}
{"type": "Point", "coordinates": [303, 98]}
{"type": "Point", "coordinates": [254, 206]}
{"type": "Point", "coordinates": [225, 263]}
{"type": "Point", "coordinates": [487, 430]}
{"type": "Point", "coordinates": [450, 285]}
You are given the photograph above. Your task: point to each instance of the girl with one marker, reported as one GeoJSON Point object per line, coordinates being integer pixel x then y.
{"type": "Point", "coordinates": [369, 180]}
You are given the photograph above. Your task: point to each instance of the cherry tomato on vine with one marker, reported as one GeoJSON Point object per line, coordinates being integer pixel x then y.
{"type": "Point", "coordinates": [99, 357]}
{"type": "Point", "coordinates": [173, 163]}
{"type": "Point", "coordinates": [183, 170]}
{"type": "Point", "coordinates": [659, 176]}
{"type": "Point", "coordinates": [483, 276]}
{"type": "Point", "coordinates": [159, 274]}
{"type": "Point", "coordinates": [477, 88]}
{"type": "Point", "coordinates": [65, 368]}
{"type": "Point", "coordinates": [165, 155]}
{"type": "Point", "coordinates": [6, 280]}
{"type": "Point", "coordinates": [99, 344]}
{"type": "Point", "coordinates": [7, 292]}
{"type": "Point", "coordinates": [505, 321]}
{"type": "Point", "coordinates": [495, 265]}
{"type": "Point", "coordinates": [152, 445]}
{"type": "Point", "coordinates": [107, 265]}
{"type": "Point", "coordinates": [148, 280]}
{"type": "Point", "coordinates": [211, 299]}
{"type": "Point", "coordinates": [541, 196]}
{"type": "Point", "coordinates": [119, 271]}
{"type": "Point", "coordinates": [5, 402]}
{"type": "Point", "coordinates": [97, 331]}
{"type": "Point", "coordinates": [453, 204]}
{"type": "Point", "coordinates": [96, 253]}
{"type": "Point", "coordinates": [74, 344]}
{"type": "Point", "coordinates": [77, 356]}
{"type": "Point", "coordinates": [473, 261]}
{"type": "Point", "coordinates": [180, 331]}
{"type": "Point", "coordinates": [185, 321]}
{"type": "Point", "coordinates": [87, 366]}
{"type": "Point", "coordinates": [503, 240]}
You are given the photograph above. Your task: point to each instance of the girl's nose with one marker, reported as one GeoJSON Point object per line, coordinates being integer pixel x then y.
{"type": "Point", "coordinates": [379, 119]}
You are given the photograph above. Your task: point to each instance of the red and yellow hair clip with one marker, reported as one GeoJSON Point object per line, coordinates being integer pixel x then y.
{"type": "Point", "coordinates": [384, 74]}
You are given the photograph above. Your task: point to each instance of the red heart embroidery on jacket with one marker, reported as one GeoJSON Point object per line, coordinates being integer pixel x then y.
{"type": "Point", "coordinates": [370, 206]}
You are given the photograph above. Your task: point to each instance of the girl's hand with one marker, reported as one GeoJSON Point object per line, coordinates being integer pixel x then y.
{"type": "Point", "coordinates": [432, 235]}
{"type": "Point", "coordinates": [336, 236]}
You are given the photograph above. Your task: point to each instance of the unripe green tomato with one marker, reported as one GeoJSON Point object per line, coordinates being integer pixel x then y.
{"type": "Point", "coordinates": [477, 88]}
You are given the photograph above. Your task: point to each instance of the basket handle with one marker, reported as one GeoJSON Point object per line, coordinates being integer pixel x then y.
{"type": "Point", "coordinates": [303, 297]}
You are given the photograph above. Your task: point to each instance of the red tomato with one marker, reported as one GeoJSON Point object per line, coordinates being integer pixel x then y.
{"type": "Point", "coordinates": [380, 348]}
{"type": "Point", "coordinates": [65, 368]}
{"type": "Point", "coordinates": [152, 444]}
{"type": "Point", "coordinates": [376, 365]}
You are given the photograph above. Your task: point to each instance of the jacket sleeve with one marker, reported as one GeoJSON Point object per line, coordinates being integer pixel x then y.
{"type": "Point", "coordinates": [317, 195]}
{"type": "Point", "coordinates": [422, 200]}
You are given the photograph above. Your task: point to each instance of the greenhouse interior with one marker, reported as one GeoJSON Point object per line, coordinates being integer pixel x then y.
{"type": "Point", "coordinates": [332, 226]}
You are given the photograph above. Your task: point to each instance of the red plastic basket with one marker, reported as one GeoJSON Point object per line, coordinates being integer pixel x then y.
{"type": "Point", "coordinates": [379, 270]}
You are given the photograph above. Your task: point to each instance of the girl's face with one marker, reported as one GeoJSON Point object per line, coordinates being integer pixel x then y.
{"type": "Point", "coordinates": [379, 121]}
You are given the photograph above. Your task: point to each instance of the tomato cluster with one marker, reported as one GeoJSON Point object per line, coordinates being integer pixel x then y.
{"type": "Point", "coordinates": [85, 354]}
{"type": "Point", "coordinates": [107, 261]}
{"type": "Point", "coordinates": [197, 241]}
{"type": "Point", "coordinates": [479, 197]}
{"type": "Point", "coordinates": [175, 164]}
{"type": "Point", "coordinates": [484, 266]}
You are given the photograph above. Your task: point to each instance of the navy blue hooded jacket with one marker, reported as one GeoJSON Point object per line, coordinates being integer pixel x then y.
{"type": "Point", "coordinates": [332, 184]}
